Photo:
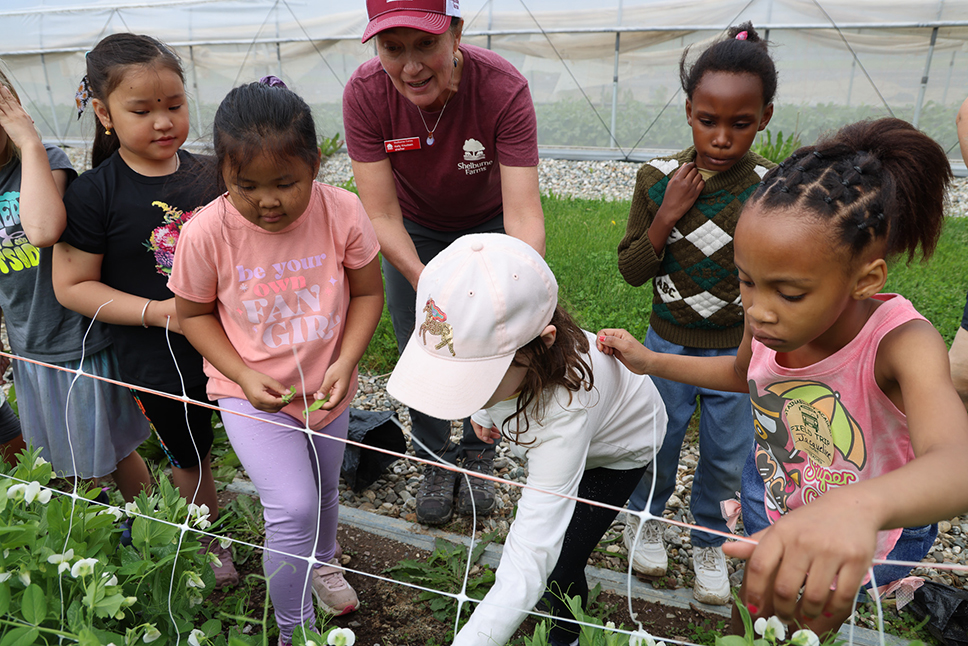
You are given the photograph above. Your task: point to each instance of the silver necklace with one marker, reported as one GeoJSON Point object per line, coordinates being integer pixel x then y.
{"type": "Point", "coordinates": [430, 132]}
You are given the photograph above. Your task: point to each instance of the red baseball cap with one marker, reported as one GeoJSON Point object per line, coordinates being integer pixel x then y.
{"type": "Point", "coordinates": [432, 16]}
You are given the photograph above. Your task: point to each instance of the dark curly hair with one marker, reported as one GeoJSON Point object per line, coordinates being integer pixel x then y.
{"type": "Point", "coordinates": [749, 56]}
{"type": "Point", "coordinates": [874, 180]}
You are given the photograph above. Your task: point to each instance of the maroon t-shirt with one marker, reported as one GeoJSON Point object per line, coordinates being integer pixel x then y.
{"type": "Point", "coordinates": [456, 183]}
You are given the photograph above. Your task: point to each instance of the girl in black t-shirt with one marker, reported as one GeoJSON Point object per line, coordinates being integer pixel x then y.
{"type": "Point", "coordinates": [113, 260]}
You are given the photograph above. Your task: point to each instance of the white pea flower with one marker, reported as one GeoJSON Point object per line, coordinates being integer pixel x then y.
{"type": "Point", "coordinates": [62, 561]}
{"type": "Point", "coordinates": [24, 577]}
{"type": "Point", "coordinates": [194, 637]}
{"type": "Point", "coordinates": [341, 637]}
{"type": "Point", "coordinates": [131, 509]}
{"type": "Point", "coordinates": [4, 576]}
{"type": "Point", "coordinates": [214, 560]}
{"type": "Point", "coordinates": [16, 491]}
{"type": "Point", "coordinates": [83, 567]}
{"type": "Point", "coordinates": [194, 581]}
{"type": "Point", "coordinates": [224, 542]}
{"type": "Point", "coordinates": [151, 634]}
{"type": "Point", "coordinates": [194, 600]}
{"type": "Point", "coordinates": [129, 601]}
{"type": "Point", "coordinates": [112, 581]}
{"type": "Point", "coordinates": [39, 462]}
{"type": "Point", "coordinates": [114, 511]}
{"type": "Point", "coordinates": [642, 638]}
{"type": "Point", "coordinates": [33, 491]}
{"type": "Point", "coordinates": [771, 629]}
{"type": "Point", "coordinates": [805, 637]}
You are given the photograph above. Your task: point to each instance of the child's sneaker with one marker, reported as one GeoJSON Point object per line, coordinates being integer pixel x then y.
{"type": "Point", "coordinates": [225, 574]}
{"type": "Point", "coordinates": [712, 578]}
{"type": "Point", "coordinates": [333, 594]}
{"type": "Point", "coordinates": [649, 557]}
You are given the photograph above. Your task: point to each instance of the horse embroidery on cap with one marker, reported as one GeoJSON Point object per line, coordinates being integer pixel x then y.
{"type": "Point", "coordinates": [436, 324]}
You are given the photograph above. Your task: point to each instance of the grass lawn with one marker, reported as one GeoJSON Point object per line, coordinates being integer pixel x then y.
{"type": "Point", "coordinates": [584, 234]}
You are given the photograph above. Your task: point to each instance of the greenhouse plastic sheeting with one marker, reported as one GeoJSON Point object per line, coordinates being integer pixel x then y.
{"type": "Point", "coordinates": [601, 76]}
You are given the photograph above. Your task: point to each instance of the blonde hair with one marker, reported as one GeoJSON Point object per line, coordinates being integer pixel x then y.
{"type": "Point", "coordinates": [10, 151]}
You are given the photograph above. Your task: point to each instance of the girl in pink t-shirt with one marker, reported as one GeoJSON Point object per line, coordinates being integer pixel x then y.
{"type": "Point", "coordinates": [859, 430]}
{"type": "Point", "coordinates": [278, 287]}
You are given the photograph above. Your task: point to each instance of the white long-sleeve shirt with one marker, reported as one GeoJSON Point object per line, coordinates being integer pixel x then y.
{"type": "Point", "coordinates": [619, 424]}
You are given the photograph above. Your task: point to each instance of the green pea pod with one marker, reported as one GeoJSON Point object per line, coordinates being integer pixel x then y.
{"type": "Point", "coordinates": [316, 405]}
{"type": "Point", "coordinates": [288, 396]}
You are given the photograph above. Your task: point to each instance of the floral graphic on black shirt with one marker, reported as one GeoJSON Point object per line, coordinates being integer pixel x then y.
{"type": "Point", "coordinates": [164, 238]}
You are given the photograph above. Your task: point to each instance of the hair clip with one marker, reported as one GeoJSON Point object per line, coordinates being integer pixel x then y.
{"type": "Point", "coordinates": [817, 155]}
{"type": "Point", "coordinates": [762, 183]}
{"type": "Point", "coordinates": [83, 96]}
{"type": "Point", "coordinates": [828, 199]}
{"type": "Point", "coordinates": [743, 35]}
{"type": "Point", "coordinates": [799, 168]}
{"type": "Point", "coordinates": [784, 189]}
{"type": "Point", "coordinates": [845, 182]}
{"type": "Point", "coordinates": [272, 81]}
{"type": "Point", "coordinates": [783, 164]}
{"type": "Point", "coordinates": [880, 217]}
{"type": "Point", "coordinates": [862, 226]}
{"type": "Point", "coordinates": [859, 171]}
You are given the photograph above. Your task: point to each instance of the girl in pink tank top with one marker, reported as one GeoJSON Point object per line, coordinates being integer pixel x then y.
{"type": "Point", "coordinates": [854, 410]}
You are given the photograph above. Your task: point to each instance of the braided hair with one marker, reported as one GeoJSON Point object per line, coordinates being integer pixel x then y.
{"type": "Point", "coordinates": [748, 54]}
{"type": "Point", "coordinates": [874, 180]}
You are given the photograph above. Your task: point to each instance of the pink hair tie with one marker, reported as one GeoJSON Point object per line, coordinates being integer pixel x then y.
{"type": "Point", "coordinates": [742, 35]}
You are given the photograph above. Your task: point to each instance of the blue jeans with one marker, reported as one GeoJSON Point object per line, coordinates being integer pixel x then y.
{"type": "Point", "coordinates": [725, 435]}
{"type": "Point", "coordinates": [913, 544]}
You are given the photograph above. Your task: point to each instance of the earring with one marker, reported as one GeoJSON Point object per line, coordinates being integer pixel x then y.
{"type": "Point", "coordinates": [455, 61]}
{"type": "Point", "coordinates": [107, 132]}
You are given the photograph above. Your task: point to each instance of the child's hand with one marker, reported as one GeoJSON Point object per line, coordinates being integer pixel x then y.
{"type": "Point", "coordinates": [814, 547]}
{"type": "Point", "coordinates": [336, 383]}
{"type": "Point", "coordinates": [681, 192]}
{"type": "Point", "coordinates": [626, 348]}
{"type": "Point", "coordinates": [15, 121]}
{"type": "Point", "coordinates": [487, 435]}
{"type": "Point", "coordinates": [263, 392]}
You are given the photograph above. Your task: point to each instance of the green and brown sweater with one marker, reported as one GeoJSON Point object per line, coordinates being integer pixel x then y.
{"type": "Point", "coordinates": [695, 301]}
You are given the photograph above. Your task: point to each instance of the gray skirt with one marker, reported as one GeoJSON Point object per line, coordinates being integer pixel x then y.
{"type": "Point", "coordinates": [89, 434]}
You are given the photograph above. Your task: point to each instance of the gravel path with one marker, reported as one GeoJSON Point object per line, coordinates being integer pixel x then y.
{"type": "Point", "coordinates": [393, 495]}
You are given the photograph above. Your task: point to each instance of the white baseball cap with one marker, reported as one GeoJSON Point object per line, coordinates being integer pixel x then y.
{"type": "Point", "coordinates": [478, 301]}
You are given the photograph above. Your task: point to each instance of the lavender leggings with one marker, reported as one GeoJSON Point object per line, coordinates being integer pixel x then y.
{"type": "Point", "coordinates": [282, 464]}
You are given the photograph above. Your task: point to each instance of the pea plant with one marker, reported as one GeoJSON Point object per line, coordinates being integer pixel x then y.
{"type": "Point", "coordinates": [64, 574]}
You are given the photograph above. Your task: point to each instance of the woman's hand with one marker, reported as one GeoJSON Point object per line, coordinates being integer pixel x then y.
{"type": "Point", "coordinates": [486, 435]}
{"type": "Point", "coordinates": [626, 348]}
{"type": "Point", "coordinates": [262, 391]}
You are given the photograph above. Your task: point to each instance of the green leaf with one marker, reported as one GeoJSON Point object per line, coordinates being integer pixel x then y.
{"type": "Point", "coordinates": [316, 405]}
{"type": "Point", "coordinates": [4, 599]}
{"type": "Point", "coordinates": [731, 640]}
{"type": "Point", "coordinates": [146, 534]}
{"type": "Point", "coordinates": [212, 626]}
{"type": "Point", "coordinates": [20, 637]}
{"type": "Point", "coordinates": [33, 605]}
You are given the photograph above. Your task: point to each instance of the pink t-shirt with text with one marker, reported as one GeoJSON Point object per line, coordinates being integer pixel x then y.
{"type": "Point", "coordinates": [456, 183]}
{"type": "Point", "coordinates": [278, 291]}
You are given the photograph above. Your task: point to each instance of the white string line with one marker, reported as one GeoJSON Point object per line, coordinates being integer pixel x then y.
{"type": "Point", "coordinates": [443, 464]}
{"type": "Point", "coordinates": [461, 597]}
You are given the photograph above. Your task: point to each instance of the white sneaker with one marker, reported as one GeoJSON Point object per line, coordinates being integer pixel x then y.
{"type": "Point", "coordinates": [649, 557]}
{"type": "Point", "coordinates": [712, 579]}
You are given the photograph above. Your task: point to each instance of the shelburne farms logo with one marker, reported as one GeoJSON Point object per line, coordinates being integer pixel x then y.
{"type": "Point", "coordinates": [474, 156]}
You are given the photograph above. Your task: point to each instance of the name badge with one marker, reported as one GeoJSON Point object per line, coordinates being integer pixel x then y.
{"type": "Point", "coordinates": [398, 145]}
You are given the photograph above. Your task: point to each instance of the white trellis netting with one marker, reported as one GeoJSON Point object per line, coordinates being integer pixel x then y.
{"type": "Point", "coordinates": [593, 70]}
{"type": "Point", "coordinates": [188, 525]}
